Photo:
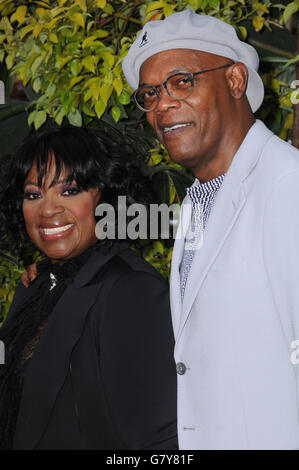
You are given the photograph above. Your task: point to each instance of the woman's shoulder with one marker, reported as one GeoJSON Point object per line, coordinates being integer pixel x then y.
{"type": "Point", "coordinates": [138, 264]}
{"type": "Point", "coordinates": [120, 262]}
{"type": "Point", "coordinates": [127, 270]}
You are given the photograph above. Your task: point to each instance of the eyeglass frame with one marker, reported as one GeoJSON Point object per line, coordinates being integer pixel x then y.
{"type": "Point", "coordinates": [190, 75]}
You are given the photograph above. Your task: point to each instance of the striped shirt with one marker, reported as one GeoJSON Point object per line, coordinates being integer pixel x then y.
{"type": "Point", "coordinates": [202, 199]}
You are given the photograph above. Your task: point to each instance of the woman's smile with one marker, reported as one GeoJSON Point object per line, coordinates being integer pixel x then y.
{"type": "Point", "coordinates": [57, 231]}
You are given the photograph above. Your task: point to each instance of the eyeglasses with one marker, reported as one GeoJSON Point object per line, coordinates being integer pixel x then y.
{"type": "Point", "coordinates": [179, 86]}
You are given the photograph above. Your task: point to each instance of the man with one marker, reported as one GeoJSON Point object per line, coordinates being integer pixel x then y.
{"type": "Point", "coordinates": [235, 294]}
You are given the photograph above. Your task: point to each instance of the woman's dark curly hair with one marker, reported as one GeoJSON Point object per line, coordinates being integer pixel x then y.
{"type": "Point", "coordinates": [89, 157]}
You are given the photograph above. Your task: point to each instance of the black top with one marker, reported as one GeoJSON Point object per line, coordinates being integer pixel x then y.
{"type": "Point", "coordinates": [21, 336]}
{"type": "Point", "coordinates": [102, 375]}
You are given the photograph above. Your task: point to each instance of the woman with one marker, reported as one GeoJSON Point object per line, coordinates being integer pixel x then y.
{"type": "Point", "coordinates": [89, 344]}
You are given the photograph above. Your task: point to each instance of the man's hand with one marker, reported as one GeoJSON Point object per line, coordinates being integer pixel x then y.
{"type": "Point", "coordinates": [29, 275]}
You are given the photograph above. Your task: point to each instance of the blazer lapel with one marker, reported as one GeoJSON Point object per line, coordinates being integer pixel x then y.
{"type": "Point", "coordinates": [175, 283]}
{"type": "Point", "coordinates": [222, 219]}
{"type": "Point", "coordinates": [229, 203]}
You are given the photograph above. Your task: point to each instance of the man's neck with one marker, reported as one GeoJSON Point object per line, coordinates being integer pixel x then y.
{"type": "Point", "coordinates": [220, 163]}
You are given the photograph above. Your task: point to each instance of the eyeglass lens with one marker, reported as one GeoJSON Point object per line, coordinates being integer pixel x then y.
{"type": "Point", "coordinates": [179, 86]}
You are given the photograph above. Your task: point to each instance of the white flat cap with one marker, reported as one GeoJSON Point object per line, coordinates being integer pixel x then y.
{"type": "Point", "coordinates": [188, 30]}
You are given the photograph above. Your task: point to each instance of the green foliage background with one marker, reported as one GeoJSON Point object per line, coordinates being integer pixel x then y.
{"type": "Point", "coordinates": [68, 54]}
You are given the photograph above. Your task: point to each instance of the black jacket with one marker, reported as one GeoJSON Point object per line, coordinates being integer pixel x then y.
{"type": "Point", "coordinates": [103, 374]}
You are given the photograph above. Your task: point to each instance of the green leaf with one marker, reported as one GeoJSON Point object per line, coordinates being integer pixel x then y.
{"type": "Point", "coordinates": [53, 38]}
{"type": "Point", "coordinates": [214, 3]}
{"type": "Point", "coordinates": [36, 64]}
{"type": "Point", "coordinates": [87, 95]}
{"type": "Point", "coordinates": [118, 85]}
{"type": "Point", "coordinates": [66, 32]}
{"type": "Point", "coordinates": [74, 81]}
{"type": "Point", "coordinates": [124, 98]}
{"type": "Point", "coordinates": [82, 4]}
{"type": "Point", "coordinates": [108, 58]}
{"type": "Point", "coordinates": [158, 247]}
{"type": "Point", "coordinates": [37, 29]}
{"type": "Point", "coordinates": [51, 90]}
{"type": "Point", "coordinates": [26, 30]}
{"type": "Point", "coordinates": [76, 67]}
{"type": "Point", "coordinates": [156, 6]}
{"type": "Point", "coordinates": [291, 8]}
{"type": "Point", "coordinates": [61, 61]}
{"type": "Point", "coordinates": [243, 32]}
{"type": "Point", "coordinates": [116, 112]}
{"type": "Point", "coordinates": [292, 61]}
{"type": "Point", "coordinates": [95, 88]}
{"type": "Point", "coordinates": [31, 117]}
{"type": "Point", "coordinates": [105, 93]}
{"type": "Point", "coordinates": [89, 82]}
{"type": "Point", "coordinates": [99, 34]}
{"type": "Point", "coordinates": [88, 63]}
{"type": "Point", "coordinates": [258, 22]}
{"type": "Point", "coordinates": [40, 119]}
{"type": "Point", "coordinates": [100, 108]}
{"type": "Point", "coordinates": [36, 85]}
{"type": "Point", "coordinates": [86, 108]}
{"type": "Point", "coordinates": [78, 19]}
{"type": "Point", "coordinates": [59, 116]}
{"type": "Point", "coordinates": [19, 15]}
{"type": "Point", "coordinates": [155, 159]}
{"type": "Point", "coordinates": [260, 7]}
{"type": "Point", "coordinates": [180, 180]}
{"type": "Point", "coordinates": [168, 10]}
{"type": "Point", "coordinates": [108, 9]}
{"type": "Point", "coordinates": [9, 61]}
{"type": "Point", "coordinates": [41, 12]}
{"type": "Point", "coordinates": [75, 118]}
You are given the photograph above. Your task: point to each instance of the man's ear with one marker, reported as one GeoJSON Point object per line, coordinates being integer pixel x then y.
{"type": "Point", "coordinates": [237, 76]}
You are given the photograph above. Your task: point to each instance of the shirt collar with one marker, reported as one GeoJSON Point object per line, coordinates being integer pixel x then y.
{"type": "Point", "coordinates": [199, 192]}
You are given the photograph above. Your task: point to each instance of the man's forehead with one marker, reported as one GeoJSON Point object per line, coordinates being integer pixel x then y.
{"type": "Point", "coordinates": [177, 60]}
{"type": "Point", "coordinates": [179, 54]}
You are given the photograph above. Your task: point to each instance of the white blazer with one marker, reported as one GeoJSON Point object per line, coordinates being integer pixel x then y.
{"type": "Point", "coordinates": [238, 384]}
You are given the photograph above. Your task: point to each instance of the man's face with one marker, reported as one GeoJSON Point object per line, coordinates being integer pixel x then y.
{"type": "Point", "coordinates": [204, 114]}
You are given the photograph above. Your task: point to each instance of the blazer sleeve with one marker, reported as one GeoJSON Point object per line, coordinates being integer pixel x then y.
{"type": "Point", "coordinates": [281, 258]}
{"type": "Point", "coordinates": [137, 364]}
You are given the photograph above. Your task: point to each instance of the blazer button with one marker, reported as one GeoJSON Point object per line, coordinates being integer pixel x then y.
{"type": "Point", "coordinates": [180, 368]}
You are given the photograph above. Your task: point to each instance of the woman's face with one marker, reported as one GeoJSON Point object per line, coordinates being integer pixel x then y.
{"type": "Point", "coordinates": [59, 219]}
